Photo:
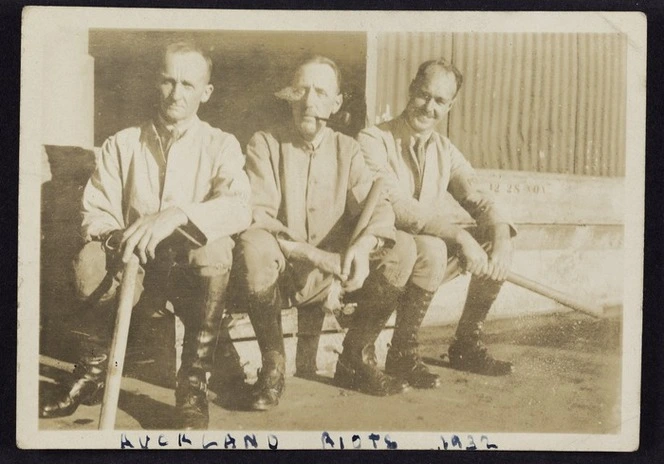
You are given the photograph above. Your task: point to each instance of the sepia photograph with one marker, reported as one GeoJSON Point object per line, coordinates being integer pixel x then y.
{"type": "Point", "coordinates": [330, 230]}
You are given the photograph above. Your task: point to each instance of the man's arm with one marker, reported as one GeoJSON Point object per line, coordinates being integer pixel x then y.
{"type": "Point", "coordinates": [410, 215]}
{"type": "Point", "coordinates": [380, 227]}
{"type": "Point", "coordinates": [101, 206]}
{"type": "Point", "coordinates": [488, 214]}
{"type": "Point", "coordinates": [225, 210]}
{"type": "Point", "coordinates": [265, 194]}
{"type": "Point", "coordinates": [479, 202]}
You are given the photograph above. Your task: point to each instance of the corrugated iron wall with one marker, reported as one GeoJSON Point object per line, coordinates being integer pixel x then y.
{"type": "Point", "coordinates": [530, 102]}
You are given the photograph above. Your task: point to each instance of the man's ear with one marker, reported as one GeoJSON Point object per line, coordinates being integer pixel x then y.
{"type": "Point", "coordinates": [338, 101]}
{"type": "Point", "coordinates": [207, 93]}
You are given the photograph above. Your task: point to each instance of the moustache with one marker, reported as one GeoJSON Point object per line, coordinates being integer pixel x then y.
{"type": "Point", "coordinates": [338, 119]}
{"type": "Point", "coordinates": [173, 105]}
{"type": "Point", "coordinates": [426, 113]}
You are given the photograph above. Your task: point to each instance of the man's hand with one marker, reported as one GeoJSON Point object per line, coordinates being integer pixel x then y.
{"type": "Point", "coordinates": [355, 266]}
{"type": "Point", "coordinates": [474, 257]}
{"type": "Point", "coordinates": [500, 260]}
{"type": "Point", "coordinates": [143, 236]}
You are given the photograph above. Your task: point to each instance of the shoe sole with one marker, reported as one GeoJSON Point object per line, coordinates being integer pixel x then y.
{"type": "Point", "coordinates": [351, 386]}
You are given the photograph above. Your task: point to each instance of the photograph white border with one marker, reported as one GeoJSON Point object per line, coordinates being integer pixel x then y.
{"type": "Point", "coordinates": [38, 22]}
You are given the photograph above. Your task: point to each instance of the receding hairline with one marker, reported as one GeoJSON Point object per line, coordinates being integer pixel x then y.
{"type": "Point", "coordinates": [429, 69]}
{"type": "Point", "coordinates": [186, 48]}
{"type": "Point", "coordinates": [321, 60]}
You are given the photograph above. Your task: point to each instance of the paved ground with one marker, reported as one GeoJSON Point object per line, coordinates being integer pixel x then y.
{"type": "Point", "coordinates": [567, 379]}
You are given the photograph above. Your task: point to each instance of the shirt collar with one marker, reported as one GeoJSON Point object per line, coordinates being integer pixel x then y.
{"type": "Point", "coordinates": [163, 128]}
{"type": "Point", "coordinates": [317, 141]}
{"type": "Point", "coordinates": [409, 133]}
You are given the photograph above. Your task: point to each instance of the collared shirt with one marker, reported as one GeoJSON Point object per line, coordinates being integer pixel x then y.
{"type": "Point", "coordinates": [317, 191]}
{"type": "Point", "coordinates": [417, 188]}
{"type": "Point", "coordinates": [168, 133]}
{"type": "Point", "coordinates": [201, 173]}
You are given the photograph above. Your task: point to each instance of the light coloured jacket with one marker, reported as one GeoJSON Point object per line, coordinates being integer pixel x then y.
{"type": "Point", "coordinates": [389, 153]}
{"type": "Point", "coordinates": [202, 175]}
{"type": "Point", "coordinates": [317, 192]}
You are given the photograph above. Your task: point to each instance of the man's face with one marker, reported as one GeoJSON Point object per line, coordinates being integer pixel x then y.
{"type": "Point", "coordinates": [183, 86]}
{"type": "Point", "coordinates": [430, 99]}
{"type": "Point", "coordinates": [320, 97]}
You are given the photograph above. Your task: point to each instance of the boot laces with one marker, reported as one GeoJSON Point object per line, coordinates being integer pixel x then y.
{"type": "Point", "coordinates": [478, 353]}
{"type": "Point", "coordinates": [370, 369]}
{"type": "Point", "coordinates": [269, 378]}
{"type": "Point", "coordinates": [409, 360]}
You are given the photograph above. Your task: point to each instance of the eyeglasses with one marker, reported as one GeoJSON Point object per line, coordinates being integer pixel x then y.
{"type": "Point", "coordinates": [425, 97]}
{"type": "Point", "coordinates": [298, 93]}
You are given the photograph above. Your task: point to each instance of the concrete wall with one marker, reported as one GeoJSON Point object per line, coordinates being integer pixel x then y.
{"type": "Point", "coordinates": [68, 89]}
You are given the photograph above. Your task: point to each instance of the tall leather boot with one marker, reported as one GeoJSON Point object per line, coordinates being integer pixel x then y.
{"type": "Point", "coordinates": [403, 359]}
{"type": "Point", "coordinates": [309, 325]}
{"type": "Point", "coordinates": [264, 310]}
{"type": "Point", "coordinates": [88, 389]}
{"type": "Point", "coordinates": [357, 365]}
{"type": "Point", "coordinates": [467, 352]}
{"type": "Point", "coordinates": [90, 371]}
{"type": "Point", "coordinates": [228, 376]}
{"type": "Point", "coordinates": [202, 328]}
{"type": "Point", "coordinates": [271, 382]}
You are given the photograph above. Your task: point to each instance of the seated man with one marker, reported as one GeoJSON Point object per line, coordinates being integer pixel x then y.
{"type": "Point", "coordinates": [309, 184]}
{"type": "Point", "coordinates": [420, 166]}
{"type": "Point", "coordinates": [172, 191]}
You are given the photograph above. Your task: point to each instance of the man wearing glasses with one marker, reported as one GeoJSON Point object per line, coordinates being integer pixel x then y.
{"type": "Point", "coordinates": [309, 186]}
{"type": "Point", "coordinates": [420, 166]}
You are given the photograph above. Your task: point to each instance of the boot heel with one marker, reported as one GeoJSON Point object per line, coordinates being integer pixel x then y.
{"type": "Point", "coordinates": [95, 397]}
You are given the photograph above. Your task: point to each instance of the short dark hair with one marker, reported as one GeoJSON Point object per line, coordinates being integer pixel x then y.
{"type": "Point", "coordinates": [441, 63]}
{"type": "Point", "coordinates": [182, 47]}
{"type": "Point", "coordinates": [319, 59]}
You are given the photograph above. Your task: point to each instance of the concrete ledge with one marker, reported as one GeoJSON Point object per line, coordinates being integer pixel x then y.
{"type": "Point", "coordinates": [570, 238]}
{"type": "Point", "coordinates": [544, 198]}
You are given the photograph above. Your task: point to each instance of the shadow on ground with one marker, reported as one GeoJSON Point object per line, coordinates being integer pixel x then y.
{"type": "Point", "coordinates": [567, 380]}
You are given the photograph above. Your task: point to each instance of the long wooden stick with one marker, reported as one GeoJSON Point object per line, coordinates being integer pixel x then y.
{"type": "Point", "coordinates": [454, 269]}
{"type": "Point", "coordinates": [369, 207]}
{"type": "Point", "coordinates": [564, 298]}
{"type": "Point", "coordinates": [109, 405]}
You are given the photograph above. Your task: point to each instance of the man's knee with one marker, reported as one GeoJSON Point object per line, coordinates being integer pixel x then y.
{"type": "Point", "coordinates": [95, 281]}
{"type": "Point", "coordinates": [90, 274]}
{"type": "Point", "coordinates": [405, 249]}
{"type": "Point", "coordinates": [259, 260]}
{"type": "Point", "coordinates": [397, 263]}
{"type": "Point", "coordinates": [215, 258]}
{"type": "Point", "coordinates": [431, 251]}
{"type": "Point", "coordinates": [431, 259]}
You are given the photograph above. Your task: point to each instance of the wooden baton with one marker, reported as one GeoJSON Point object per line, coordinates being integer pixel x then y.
{"type": "Point", "coordinates": [454, 269]}
{"type": "Point", "coordinates": [369, 207]}
{"type": "Point", "coordinates": [329, 262]}
{"type": "Point", "coordinates": [562, 298]}
{"type": "Point", "coordinates": [109, 405]}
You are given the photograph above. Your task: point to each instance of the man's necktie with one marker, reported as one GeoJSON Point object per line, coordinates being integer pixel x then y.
{"type": "Point", "coordinates": [420, 153]}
